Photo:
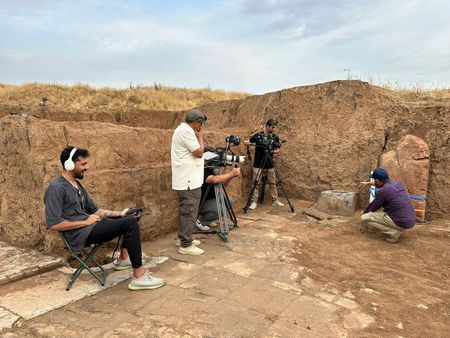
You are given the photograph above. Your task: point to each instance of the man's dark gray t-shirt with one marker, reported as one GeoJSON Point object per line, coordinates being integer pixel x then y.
{"type": "Point", "coordinates": [63, 202]}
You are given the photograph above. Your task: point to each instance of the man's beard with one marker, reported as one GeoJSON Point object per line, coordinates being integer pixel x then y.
{"type": "Point", "coordinates": [79, 175]}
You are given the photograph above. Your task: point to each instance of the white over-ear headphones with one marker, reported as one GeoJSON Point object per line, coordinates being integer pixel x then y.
{"type": "Point", "coordinates": [69, 164]}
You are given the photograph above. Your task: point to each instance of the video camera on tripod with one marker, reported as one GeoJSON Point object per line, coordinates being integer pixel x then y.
{"type": "Point", "coordinates": [268, 142]}
{"type": "Point", "coordinates": [216, 158]}
{"type": "Point", "coordinates": [224, 156]}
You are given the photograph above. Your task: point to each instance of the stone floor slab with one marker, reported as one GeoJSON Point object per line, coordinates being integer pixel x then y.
{"type": "Point", "coordinates": [7, 319]}
{"type": "Point", "coordinates": [183, 304]}
{"type": "Point", "coordinates": [48, 292]}
{"type": "Point", "coordinates": [262, 296]}
{"type": "Point", "coordinates": [313, 316]}
{"type": "Point", "coordinates": [227, 319]}
{"type": "Point", "coordinates": [214, 282]}
{"type": "Point", "coordinates": [236, 263]}
{"type": "Point", "coordinates": [18, 263]}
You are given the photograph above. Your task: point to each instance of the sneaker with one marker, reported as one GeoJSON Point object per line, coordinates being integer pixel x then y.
{"type": "Point", "coordinates": [122, 265]}
{"type": "Point", "coordinates": [253, 206]}
{"type": "Point", "coordinates": [191, 250]}
{"type": "Point", "coordinates": [194, 241]}
{"type": "Point", "coordinates": [394, 238]}
{"type": "Point", "coordinates": [277, 203]}
{"type": "Point", "coordinates": [146, 282]}
{"type": "Point", "coordinates": [201, 227]}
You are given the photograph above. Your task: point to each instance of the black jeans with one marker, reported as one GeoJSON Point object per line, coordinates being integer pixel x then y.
{"type": "Point", "coordinates": [110, 228]}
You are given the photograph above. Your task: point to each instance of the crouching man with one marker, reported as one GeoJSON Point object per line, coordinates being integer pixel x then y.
{"type": "Point", "coordinates": [391, 211]}
{"type": "Point", "coordinates": [208, 211]}
{"type": "Point", "coordinates": [70, 210]}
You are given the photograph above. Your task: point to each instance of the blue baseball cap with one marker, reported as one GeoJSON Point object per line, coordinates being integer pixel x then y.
{"type": "Point", "coordinates": [380, 173]}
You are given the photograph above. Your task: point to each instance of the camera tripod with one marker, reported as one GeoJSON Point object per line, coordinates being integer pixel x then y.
{"type": "Point", "coordinates": [261, 180]}
{"type": "Point", "coordinates": [224, 210]}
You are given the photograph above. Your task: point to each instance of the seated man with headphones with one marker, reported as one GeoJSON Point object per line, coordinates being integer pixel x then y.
{"type": "Point", "coordinates": [70, 210]}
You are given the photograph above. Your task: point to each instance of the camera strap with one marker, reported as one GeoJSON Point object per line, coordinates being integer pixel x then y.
{"type": "Point", "coordinates": [115, 249]}
{"type": "Point", "coordinates": [249, 155]}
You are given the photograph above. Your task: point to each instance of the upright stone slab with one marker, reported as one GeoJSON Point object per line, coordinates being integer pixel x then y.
{"type": "Point", "coordinates": [337, 202]}
{"type": "Point", "coordinates": [410, 163]}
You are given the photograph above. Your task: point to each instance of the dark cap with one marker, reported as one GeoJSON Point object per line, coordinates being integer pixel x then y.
{"type": "Point", "coordinates": [271, 122]}
{"type": "Point", "coordinates": [380, 173]}
{"type": "Point", "coordinates": [195, 115]}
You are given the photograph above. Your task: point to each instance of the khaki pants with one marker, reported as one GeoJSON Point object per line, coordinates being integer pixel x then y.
{"type": "Point", "coordinates": [381, 221]}
{"type": "Point", "coordinates": [270, 180]}
{"type": "Point", "coordinates": [189, 201]}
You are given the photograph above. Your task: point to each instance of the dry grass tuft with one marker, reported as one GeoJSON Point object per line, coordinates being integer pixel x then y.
{"type": "Point", "coordinates": [81, 96]}
{"type": "Point", "coordinates": [417, 93]}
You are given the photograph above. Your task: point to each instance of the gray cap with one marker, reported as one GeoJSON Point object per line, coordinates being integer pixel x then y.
{"type": "Point", "coordinates": [194, 115]}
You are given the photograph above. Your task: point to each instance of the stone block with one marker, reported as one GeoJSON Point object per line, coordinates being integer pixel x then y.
{"type": "Point", "coordinates": [337, 202]}
{"type": "Point", "coordinates": [320, 215]}
{"type": "Point", "coordinates": [410, 163]}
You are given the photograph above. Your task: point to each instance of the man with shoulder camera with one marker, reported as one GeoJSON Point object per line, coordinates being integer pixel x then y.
{"type": "Point", "coordinates": [187, 176]}
{"type": "Point", "coordinates": [266, 144]}
{"type": "Point", "coordinates": [208, 212]}
{"type": "Point", "coordinates": [70, 210]}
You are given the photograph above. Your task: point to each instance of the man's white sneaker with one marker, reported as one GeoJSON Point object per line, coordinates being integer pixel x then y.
{"type": "Point", "coordinates": [146, 282]}
{"type": "Point", "coordinates": [194, 241]}
{"type": "Point", "coordinates": [201, 227]}
{"type": "Point", "coordinates": [122, 265]}
{"type": "Point", "coordinates": [277, 203]}
{"type": "Point", "coordinates": [191, 250]}
{"type": "Point", "coordinates": [253, 206]}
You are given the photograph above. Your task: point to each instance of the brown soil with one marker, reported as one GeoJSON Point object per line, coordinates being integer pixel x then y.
{"type": "Point", "coordinates": [411, 273]}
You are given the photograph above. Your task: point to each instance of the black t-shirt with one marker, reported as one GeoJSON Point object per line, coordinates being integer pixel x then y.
{"type": "Point", "coordinates": [65, 203]}
{"type": "Point", "coordinates": [264, 144]}
{"type": "Point", "coordinates": [211, 192]}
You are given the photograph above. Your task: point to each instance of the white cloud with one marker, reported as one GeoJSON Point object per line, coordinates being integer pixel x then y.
{"type": "Point", "coordinates": [133, 35]}
{"type": "Point", "coordinates": [251, 45]}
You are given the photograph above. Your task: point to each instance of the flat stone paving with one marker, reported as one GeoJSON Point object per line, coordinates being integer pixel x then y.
{"type": "Point", "coordinates": [18, 263]}
{"type": "Point", "coordinates": [256, 285]}
{"type": "Point", "coordinates": [251, 286]}
{"type": "Point", "coordinates": [41, 293]}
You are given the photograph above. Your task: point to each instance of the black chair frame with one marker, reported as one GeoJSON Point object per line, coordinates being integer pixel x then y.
{"type": "Point", "coordinates": [84, 264]}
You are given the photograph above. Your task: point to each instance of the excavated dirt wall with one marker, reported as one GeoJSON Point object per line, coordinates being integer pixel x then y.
{"type": "Point", "coordinates": [130, 117]}
{"type": "Point", "coordinates": [128, 167]}
{"type": "Point", "coordinates": [335, 130]}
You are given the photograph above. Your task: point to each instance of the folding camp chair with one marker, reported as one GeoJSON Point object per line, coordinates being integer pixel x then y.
{"type": "Point", "coordinates": [84, 264]}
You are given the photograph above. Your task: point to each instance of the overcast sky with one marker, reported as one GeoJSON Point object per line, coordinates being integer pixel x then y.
{"type": "Point", "coordinates": [254, 46]}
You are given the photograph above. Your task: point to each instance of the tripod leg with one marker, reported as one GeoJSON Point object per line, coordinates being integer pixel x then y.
{"type": "Point", "coordinates": [229, 208]}
{"type": "Point", "coordinates": [256, 181]}
{"type": "Point", "coordinates": [279, 184]}
{"type": "Point", "coordinates": [202, 203]}
{"type": "Point", "coordinates": [262, 189]}
{"type": "Point", "coordinates": [223, 220]}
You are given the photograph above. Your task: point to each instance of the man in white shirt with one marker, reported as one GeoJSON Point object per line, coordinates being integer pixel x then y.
{"type": "Point", "coordinates": [187, 176]}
